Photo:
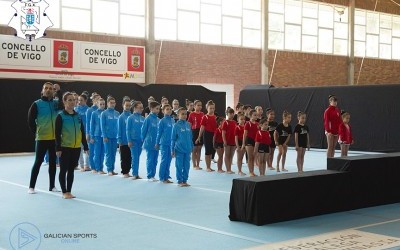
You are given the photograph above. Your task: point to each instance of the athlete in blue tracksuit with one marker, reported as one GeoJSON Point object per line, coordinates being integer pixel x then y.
{"type": "Point", "coordinates": [109, 132]}
{"type": "Point", "coordinates": [163, 142]}
{"type": "Point", "coordinates": [95, 138]}
{"type": "Point", "coordinates": [149, 135]}
{"type": "Point", "coordinates": [89, 113]}
{"type": "Point", "coordinates": [122, 139]}
{"type": "Point", "coordinates": [182, 145]}
{"type": "Point", "coordinates": [81, 109]}
{"type": "Point", "coordinates": [133, 133]}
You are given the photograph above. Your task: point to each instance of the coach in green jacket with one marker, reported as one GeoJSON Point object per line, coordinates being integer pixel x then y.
{"type": "Point", "coordinates": [41, 119]}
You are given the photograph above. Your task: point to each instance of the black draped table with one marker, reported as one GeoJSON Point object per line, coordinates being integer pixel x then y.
{"type": "Point", "coordinates": [349, 183]}
{"type": "Point", "coordinates": [267, 199]}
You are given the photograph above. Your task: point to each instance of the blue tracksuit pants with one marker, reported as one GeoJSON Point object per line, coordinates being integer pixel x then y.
{"type": "Point", "coordinates": [110, 149]}
{"type": "Point", "coordinates": [46, 158]}
{"type": "Point", "coordinates": [165, 162]}
{"type": "Point", "coordinates": [98, 153]}
{"type": "Point", "coordinates": [136, 151]}
{"type": "Point", "coordinates": [91, 155]}
{"type": "Point", "coordinates": [151, 163]}
{"type": "Point", "coordinates": [182, 163]}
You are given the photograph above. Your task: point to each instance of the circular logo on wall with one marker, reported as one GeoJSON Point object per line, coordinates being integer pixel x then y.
{"type": "Point", "coordinates": [25, 236]}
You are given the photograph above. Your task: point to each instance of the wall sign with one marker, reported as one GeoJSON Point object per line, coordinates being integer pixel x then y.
{"type": "Point", "coordinates": [54, 59]}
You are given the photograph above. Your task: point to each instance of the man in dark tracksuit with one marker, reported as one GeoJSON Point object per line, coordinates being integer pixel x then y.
{"type": "Point", "coordinates": [41, 119]}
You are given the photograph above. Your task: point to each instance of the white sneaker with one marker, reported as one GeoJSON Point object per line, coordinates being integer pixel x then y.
{"type": "Point", "coordinates": [153, 179]}
{"type": "Point", "coordinates": [55, 190]}
{"type": "Point", "coordinates": [31, 191]}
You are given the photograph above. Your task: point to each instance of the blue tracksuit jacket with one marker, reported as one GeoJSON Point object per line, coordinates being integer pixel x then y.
{"type": "Point", "coordinates": [164, 131]}
{"type": "Point", "coordinates": [133, 127]}
{"type": "Point", "coordinates": [89, 113]}
{"type": "Point", "coordinates": [149, 131]}
{"type": "Point", "coordinates": [122, 121]}
{"type": "Point", "coordinates": [81, 110]}
{"type": "Point", "coordinates": [109, 122]}
{"type": "Point", "coordinates": [181, 139]}
{"type": "Point", "coordinates": [95, 129]}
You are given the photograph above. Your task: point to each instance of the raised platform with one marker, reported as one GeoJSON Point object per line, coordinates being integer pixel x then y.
{"type": "Point", "coordinates": [374, 179]}
{"type": "Point", "coordinates": [349, 183]}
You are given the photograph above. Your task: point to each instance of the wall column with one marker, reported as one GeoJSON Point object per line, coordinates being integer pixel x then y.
{"type": "Point", "coordinates": [350, 74]}
{"type": "Point", "coordinates": [264, 42]}
{"type": "Point", "coordinates": [150, 43]}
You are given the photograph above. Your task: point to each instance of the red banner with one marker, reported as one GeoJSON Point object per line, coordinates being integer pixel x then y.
{"type": "Point", "coordinates": [135, 59]}
{"type": "Point", "coordinates": [63, 54]}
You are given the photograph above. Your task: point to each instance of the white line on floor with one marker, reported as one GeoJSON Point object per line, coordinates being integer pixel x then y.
{"type": "Point", "coordinates": [213, 190]}
{"type": "Point", "coordinates": [337, 152]}
{"type": "Point", "coordinates": [146, 215]}
{"type": "Point", "coordinates": [195, 187]}
{"type": "Point", "coordinates": [16, 154]}
{"type": "Point", "coordinates": [375, 224]}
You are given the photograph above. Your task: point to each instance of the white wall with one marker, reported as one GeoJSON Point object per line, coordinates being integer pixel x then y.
{"type": "Point", "coordinates": [227, 88]}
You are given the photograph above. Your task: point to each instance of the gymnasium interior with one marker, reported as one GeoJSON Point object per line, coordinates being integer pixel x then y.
{"type": "Point", "coordinates": [285, 55]}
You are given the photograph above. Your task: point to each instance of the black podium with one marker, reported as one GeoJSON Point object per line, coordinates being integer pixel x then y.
{"type": "Point", "coordinates": [267, 199]}
{"type": "Point", "coordinates": [375, 179]}
{"type": "Point", "coordinates": [349, 183]}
